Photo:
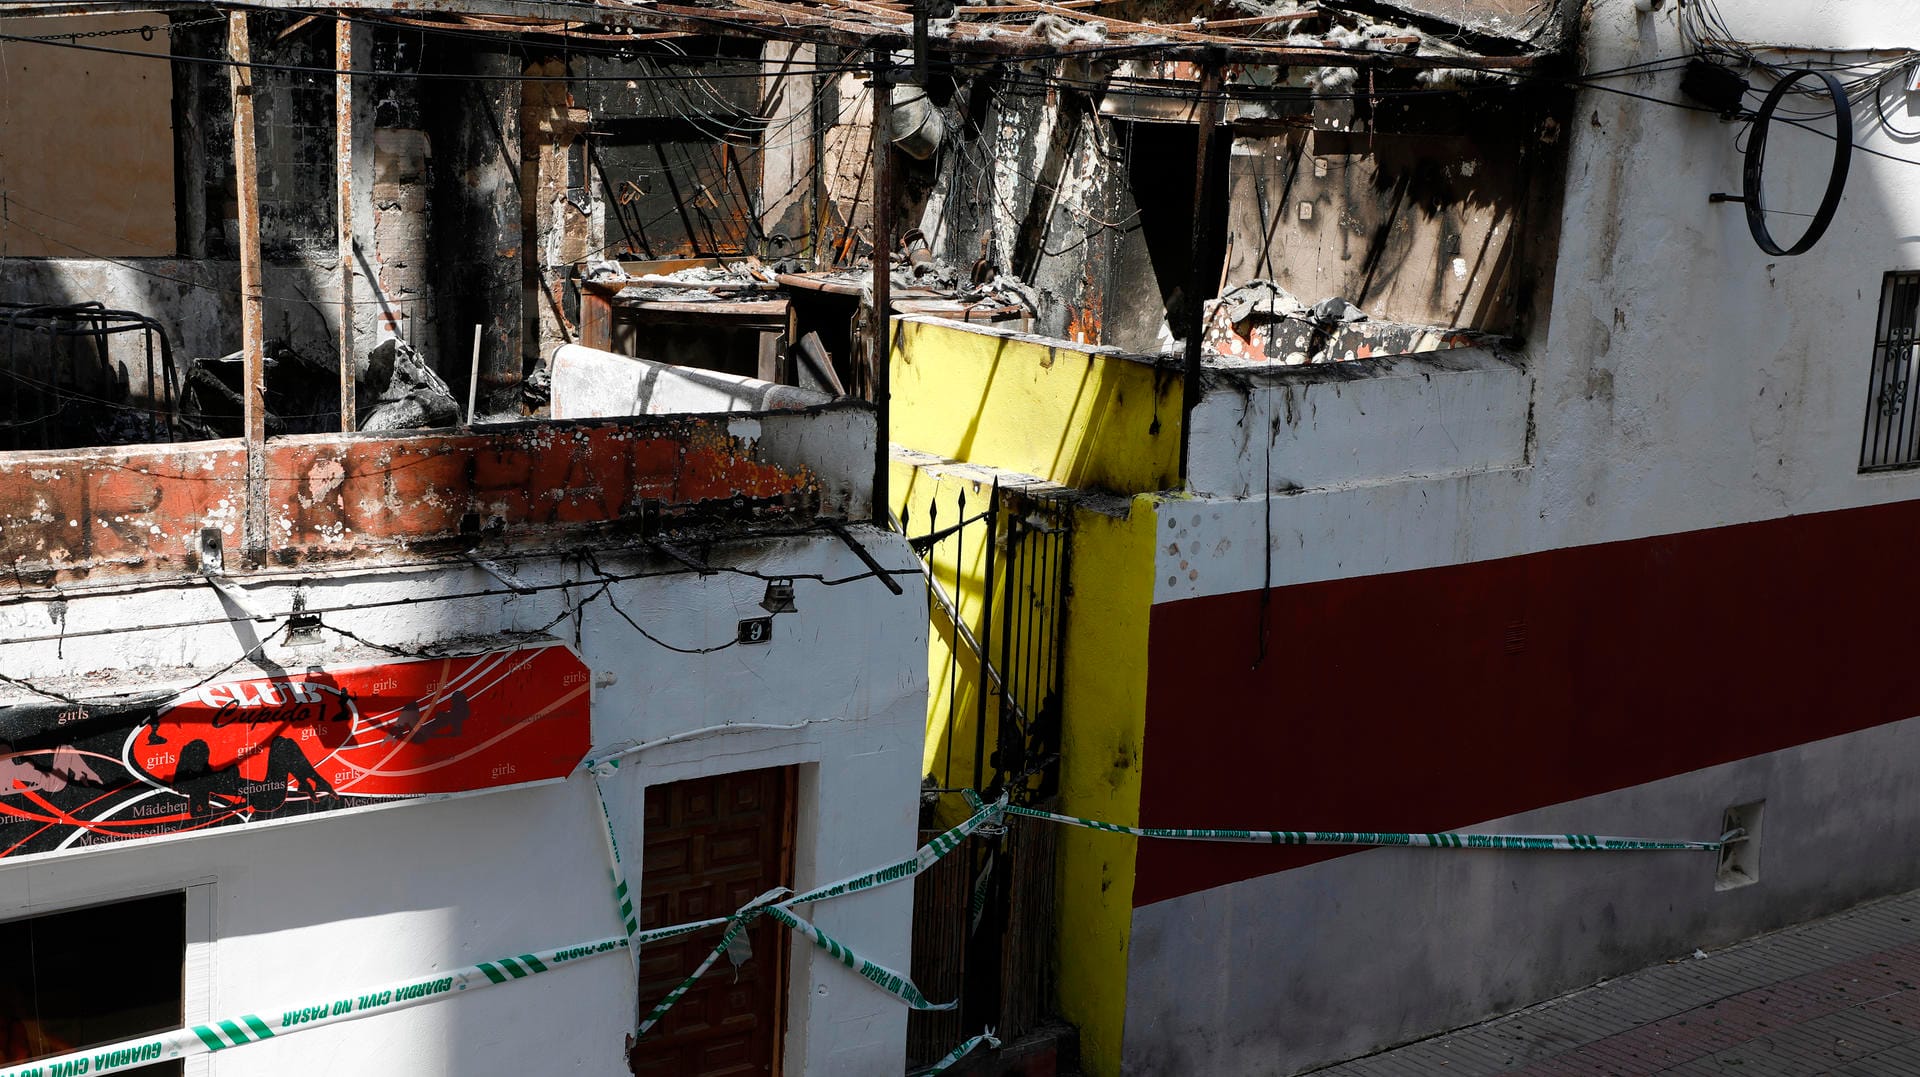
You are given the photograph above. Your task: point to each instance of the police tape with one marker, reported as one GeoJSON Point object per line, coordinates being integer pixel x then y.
{"type": "Point", "coordinates": [920, 861]}
{"type": "Point", "coordinates": [960, 1052]}
{"type": "Point", "coordinates": [903, 988]}
{"type": "Point", "coordinates": [1440, 840]}
{"type": "Point", "coordinates": [893, 983]}
{"type": "Point", "coordinates": [257, 1027]}
{"type": "Point", "coordinates": [740, 920]}
{"type": "Point", "coordinates": [622, 897]}
{"type": "Point", "coordinates": [886, 979]}
{"type": "Point", "coordinates": [253, 1028]}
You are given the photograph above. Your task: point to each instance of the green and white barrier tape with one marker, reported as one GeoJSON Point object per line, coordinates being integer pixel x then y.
{"type": "Point", "coordinates": [961, 1052]}
{"type": "Point", "coordinates": [254, 1027]}
{"type": "Point", "coordinates": [886, 979]}
{"type": "Point", "coordinates": [920, 861]}
{"type": "Point", "coordinates": [622, 897]}
{"type": "Point", "coordinates": [740, 920]}
{"type": "Point", "coordinates": [1444, 840]}
{"type": "Point", "coordinates": [893, 983]}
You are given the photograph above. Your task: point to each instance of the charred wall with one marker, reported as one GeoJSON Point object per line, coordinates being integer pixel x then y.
{"type": "Point", "coordinates": [1425, 208]}
{"type": "Point", "coordinates": [1419, 199]}
{"type": "Point", "coordinates": [436, 185]}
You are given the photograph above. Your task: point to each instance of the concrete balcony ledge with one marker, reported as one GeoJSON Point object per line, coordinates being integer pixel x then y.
{"type": "Point", "coordinates": [137, 510]}
{"type": "Point", "coordinates": [1280, 429]}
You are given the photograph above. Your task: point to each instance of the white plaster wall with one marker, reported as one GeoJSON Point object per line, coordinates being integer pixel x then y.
{"type": "Point", "coordinates": [324, 906]}
{"type": "Point", "coordinates": [1834, 24]}
{"type": "Point", "coordinates": [1272, 975]}
{"type": "Point", "coordinates": [1212, 546]}
{"type": "Point", "coordinates": [1686, 379]}
{"type": "Point", "coordinates": [588, 382]}
{"type": "Point", "coordinates": [1312, 427]}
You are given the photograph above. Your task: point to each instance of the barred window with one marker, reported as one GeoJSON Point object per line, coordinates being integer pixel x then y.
{"type": "Point", "coordinates": [1892, 434]}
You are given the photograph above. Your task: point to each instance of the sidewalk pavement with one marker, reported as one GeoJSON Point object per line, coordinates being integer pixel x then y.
{"type": "Point", "coordinates": [1838, 996]}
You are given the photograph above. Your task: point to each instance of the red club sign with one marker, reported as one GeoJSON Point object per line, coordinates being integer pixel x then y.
{"type": "Point", "coordinates": [322, 739]}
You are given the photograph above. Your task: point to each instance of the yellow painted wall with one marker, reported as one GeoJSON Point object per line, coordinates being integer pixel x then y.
{"type": "Point", "coordinates": [1103, 724]}
{"type": "Point", "coordinates": [1067, 413]}
{"type": "Point", "coordinates": [1092, 421]}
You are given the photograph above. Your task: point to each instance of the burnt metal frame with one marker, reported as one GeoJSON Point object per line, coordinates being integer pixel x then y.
{"type": "Point", "coordinates": [99, 322]}
{"type": "Point", "coordinates": [1751, 173]}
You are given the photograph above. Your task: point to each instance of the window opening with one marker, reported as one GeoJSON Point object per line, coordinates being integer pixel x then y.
{"type": "Point", "coordinates": [83, 978]}
{"type": "Point", "coordinates": [1891, 437]}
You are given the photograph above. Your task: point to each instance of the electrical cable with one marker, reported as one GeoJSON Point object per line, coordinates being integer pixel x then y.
{"type": "Point", "coordinates": [69, 592]}
{"type": "Point", "coordinates": [1880, 108]}
{"type": "Point", "coordinates": [603, 592]}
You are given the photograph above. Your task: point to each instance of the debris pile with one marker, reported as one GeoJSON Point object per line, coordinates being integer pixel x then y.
{"type": "Point", "coordinates": [699, 283]}
{"type": "Point", "coordinates": [1262, 322]}
{"type": "Point", "coordinates": [302, 395]}
{"type": "Point", "coordinates": [395, 389]}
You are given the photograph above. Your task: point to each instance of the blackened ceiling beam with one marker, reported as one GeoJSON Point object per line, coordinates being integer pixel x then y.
{"type": "Point", "coordinates": [836, 27]}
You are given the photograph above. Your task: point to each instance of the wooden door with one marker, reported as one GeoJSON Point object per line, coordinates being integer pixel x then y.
{"type": "Point", "coordinates": [712, 845]}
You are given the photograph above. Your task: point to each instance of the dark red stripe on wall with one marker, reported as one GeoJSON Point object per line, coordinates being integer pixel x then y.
{"type": "Point", "coordinates": [1437, 699]}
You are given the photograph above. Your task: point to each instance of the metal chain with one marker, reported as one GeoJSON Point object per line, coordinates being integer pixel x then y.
{"type": "Point", "coordinates": [146, 32]}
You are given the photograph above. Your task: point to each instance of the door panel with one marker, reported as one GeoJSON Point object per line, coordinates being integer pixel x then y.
{"type": "Point", "coordinates": [712, 845]}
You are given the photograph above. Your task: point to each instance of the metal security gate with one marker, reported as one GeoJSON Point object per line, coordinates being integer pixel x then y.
{"type": "Point", "coordinates": [996, 592]}
{"type": "Point", "coordinates": [997, 568]}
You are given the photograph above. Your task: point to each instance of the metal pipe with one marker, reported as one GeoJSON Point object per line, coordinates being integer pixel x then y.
{"type": "Point", "coordinates": [343, 168]}
{"type": "Point", "coordinates": [954, 622]}
{"type": "Point", "coordinates": [1009, 629]}
{"type": "Point", "coordinates": [986, 641]}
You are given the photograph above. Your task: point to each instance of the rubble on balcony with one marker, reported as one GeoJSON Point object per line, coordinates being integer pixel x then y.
{"type": "Point", "coordinates": [1262, 323]}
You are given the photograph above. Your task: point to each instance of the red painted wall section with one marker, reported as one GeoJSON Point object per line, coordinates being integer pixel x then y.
{"type": "Point", "coordinates": [331, 498]}
{"type": "Point", "coordinates": [113, 509]}
{"type": "Point", "coordinates": [128, 511]}
{"type": "Point", "coordinates": [1441, 698]}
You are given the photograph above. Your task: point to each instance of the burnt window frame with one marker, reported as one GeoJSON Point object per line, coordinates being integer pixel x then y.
{"type": "Point", "coordinates": [1890, 431]}
{"type": "Point", "coordinates": [196, 937]}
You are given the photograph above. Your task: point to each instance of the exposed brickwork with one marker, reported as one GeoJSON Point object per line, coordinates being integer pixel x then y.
{"type": "Point", "coordinates": [129, 511]}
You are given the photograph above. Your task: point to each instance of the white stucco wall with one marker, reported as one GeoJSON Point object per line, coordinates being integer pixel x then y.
{"type": "Point", "coordinates": [1343, 957]}
{"type": "Point", "coordinates": [321, 907]}
{"type": "Point", "coordinates": [1684, 381]}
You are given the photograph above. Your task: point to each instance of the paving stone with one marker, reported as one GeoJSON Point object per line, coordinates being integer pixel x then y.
{"type": "Point", "coordinates": [1838, 996]}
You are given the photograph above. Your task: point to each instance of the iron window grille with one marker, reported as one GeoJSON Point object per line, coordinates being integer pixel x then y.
{"type": "Point", "coordinates": [1891, 437]}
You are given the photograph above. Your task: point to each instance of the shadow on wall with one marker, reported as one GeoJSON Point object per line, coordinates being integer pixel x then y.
{"type": "Point", "coordinates": [1162, 248]}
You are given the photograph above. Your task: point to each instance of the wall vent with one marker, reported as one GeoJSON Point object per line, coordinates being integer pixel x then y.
{"type": "Point", "coordinates": [1740, 856]}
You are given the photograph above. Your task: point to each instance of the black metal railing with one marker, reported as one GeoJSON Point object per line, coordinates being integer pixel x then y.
{"type": "Point", "coordinates": [996, 564]}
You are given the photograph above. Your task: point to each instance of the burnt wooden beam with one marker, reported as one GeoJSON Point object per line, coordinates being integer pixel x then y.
{"type": "Point", "coordinates": [882, 349]}
{"type": "Point", "coordinates": [343, 212]}
{"type": "Point", "coordinates": [252, 301]}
